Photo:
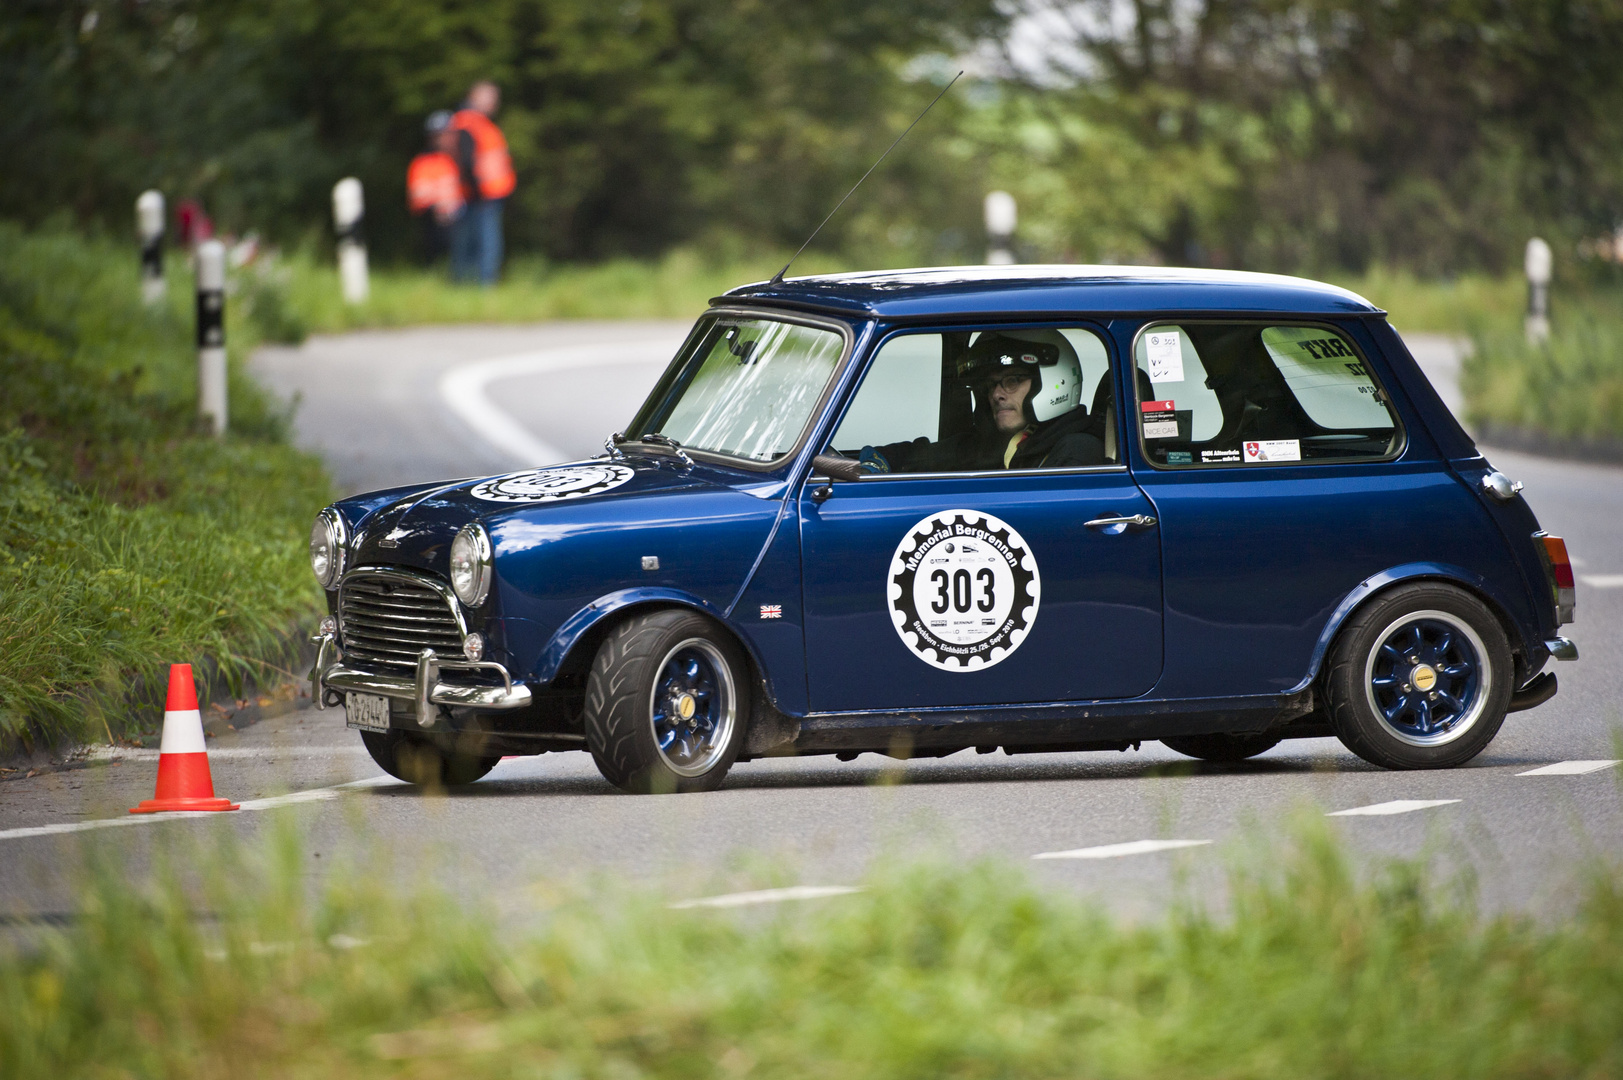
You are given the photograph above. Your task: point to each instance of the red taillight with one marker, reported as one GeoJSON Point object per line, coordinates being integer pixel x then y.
{"type": "Point", "coordinates": [1560, 564]}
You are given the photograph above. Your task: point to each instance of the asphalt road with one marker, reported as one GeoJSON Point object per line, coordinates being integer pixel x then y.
{"type": "Point", "coordinates": [407, 406]}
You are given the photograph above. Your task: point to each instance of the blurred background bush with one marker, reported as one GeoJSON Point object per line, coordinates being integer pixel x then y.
{"type": "Point", "coordinates": [1300, 135]}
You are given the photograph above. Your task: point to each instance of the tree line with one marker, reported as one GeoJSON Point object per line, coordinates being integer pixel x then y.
{"type": "Point", "coordinates": [1266, 134]}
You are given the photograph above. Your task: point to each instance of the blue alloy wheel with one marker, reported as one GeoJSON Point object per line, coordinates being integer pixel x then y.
{"type": "Point", "coordinates": [1428, 677]}
{"type": "Point", "coordinates": [694, 707]}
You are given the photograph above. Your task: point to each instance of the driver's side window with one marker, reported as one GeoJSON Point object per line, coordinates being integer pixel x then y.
{"type": "Point", "coordinates": [938, 402]}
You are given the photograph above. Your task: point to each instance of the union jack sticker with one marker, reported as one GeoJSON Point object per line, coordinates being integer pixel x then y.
{"type": "Point", "coordinates": [771, 611]}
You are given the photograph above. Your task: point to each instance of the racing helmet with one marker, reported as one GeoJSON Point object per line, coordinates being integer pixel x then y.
{"type": "Point", "coordinates": [1050, 359]}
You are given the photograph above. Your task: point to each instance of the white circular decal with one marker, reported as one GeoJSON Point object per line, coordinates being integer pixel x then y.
{"type": "Point", "coordinates": [543, 485]}
{"type": "Point", "coordinates": [963, 590]}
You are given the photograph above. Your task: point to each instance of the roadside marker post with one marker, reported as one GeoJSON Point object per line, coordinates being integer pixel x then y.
{"type": "Point", "coordinates": [1538, 263]}
{"type": "Point", "coordinates": [149, 215]}
{"type": "Point", "coordinates": [348, 213]}
{"type": "Point", "coordinates": [1002, 215]}
{"type": "Point", "coordinates": [211, 396]}
{"type": "Point", "coordinates": [184, 782]}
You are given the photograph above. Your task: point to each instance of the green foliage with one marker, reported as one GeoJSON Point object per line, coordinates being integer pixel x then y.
{"type": "Point", "coordinates": [128, 538]}
{"type": "Point", "coordinates": [936, 970]}
{"type": "Point", "coordinates": [633, 126]}
{"type": "Point", "coordinates": [1570, 386]}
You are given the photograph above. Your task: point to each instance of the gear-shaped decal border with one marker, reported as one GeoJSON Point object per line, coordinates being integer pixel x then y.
{"type": "Point", "coordinates": [1007, 636]}
{"type": "Point", "coordinates": [550, 485]}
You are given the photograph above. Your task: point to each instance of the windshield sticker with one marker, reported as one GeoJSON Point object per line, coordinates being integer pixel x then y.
{"type": "Point", "coordinates": [1220, 455]}
{"type": "Point", "coordinates": [1179, 457]}
{"type": "Point", "coordinates": [1164, 349]}
{"type": "Point", "coordinates": [1160, 420]}
{"type": "Point", "coordinates": [963, 590]}
{"type": "Point", "coordinates": [548, 485]}
{"type": "Point", "coordinates": [1274, 450]}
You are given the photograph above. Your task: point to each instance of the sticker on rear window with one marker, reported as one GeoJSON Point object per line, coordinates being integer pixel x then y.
{"type": "Point", "coordinates": [1160, 419]}
{"type": "Point", "coordinates": [1274, 450]}
{"type": "Point", "coordinates": [963, 590]}
{"type": "Point", "coordinates": [1220, 455]}
{"type": "Point", "coordinates": [1164, 351]}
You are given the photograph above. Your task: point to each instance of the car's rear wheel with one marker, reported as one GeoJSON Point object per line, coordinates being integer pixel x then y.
{"type": "Point", "coordinates": [1221, 747]}
{"type": "Point", "coordinates": [421, 761]}
{"type": "Point", "coordinates": [666, 703]}
{"type": "Point", "coordinates": [1420, 678]}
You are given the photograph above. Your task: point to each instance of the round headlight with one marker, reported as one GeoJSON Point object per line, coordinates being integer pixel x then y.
{"type": "Point", "coordinates": [327, 539]}
{"type": "Point", "coordinates": [470, 565]}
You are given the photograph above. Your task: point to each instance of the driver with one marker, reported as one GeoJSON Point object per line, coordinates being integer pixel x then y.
{"type": "Point", "coordinates": [1028, 415]}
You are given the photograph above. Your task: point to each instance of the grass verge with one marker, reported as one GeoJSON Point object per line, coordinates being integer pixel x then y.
{"type": "Point", "coordinates": [295, 295]}
{"type": "Point", "coordinates": [129, 538]}
{"type": "Point", "coordinates": [934, 971]}
{"type": "Point", "coordinates": [1570, 387]}
{"type": "Point", "coordinates": [298, 294]}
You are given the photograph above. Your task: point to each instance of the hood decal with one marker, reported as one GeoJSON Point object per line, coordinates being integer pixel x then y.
{"type": "Point", "coordinates": [549, 485]}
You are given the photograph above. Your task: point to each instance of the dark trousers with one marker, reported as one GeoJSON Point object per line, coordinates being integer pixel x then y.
{"type": "Point", "coordinates": [476, 242]}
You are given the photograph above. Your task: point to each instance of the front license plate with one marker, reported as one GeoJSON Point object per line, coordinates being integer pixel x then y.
{"type": "Point", "coordinates": [369, 712]}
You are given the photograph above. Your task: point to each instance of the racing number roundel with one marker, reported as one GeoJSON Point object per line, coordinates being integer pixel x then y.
{"type": "Point", "coordinates": [543, 485]}
{"type": "Point", "coordinates": [963, 590]}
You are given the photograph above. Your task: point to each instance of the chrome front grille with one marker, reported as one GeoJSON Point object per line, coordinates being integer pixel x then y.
{"type": "Point", "coordinates": [387, 617]}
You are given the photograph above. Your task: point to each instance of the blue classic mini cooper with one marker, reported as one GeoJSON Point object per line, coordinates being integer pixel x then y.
{"type": "Point", "coordinates": [1037, 508]}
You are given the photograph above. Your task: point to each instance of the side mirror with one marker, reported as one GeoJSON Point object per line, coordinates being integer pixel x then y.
{"type": "Point", "coordinates": [836, 468]}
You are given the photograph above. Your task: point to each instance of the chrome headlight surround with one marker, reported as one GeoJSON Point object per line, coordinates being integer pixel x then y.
{"type": "Point", "coordinates": [472, 566]}
{"type": "Point", "coordinates": [329, 542]}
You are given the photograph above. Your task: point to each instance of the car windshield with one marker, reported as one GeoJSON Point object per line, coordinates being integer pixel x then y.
{"type": "Point", "coordinates": [744, 387]}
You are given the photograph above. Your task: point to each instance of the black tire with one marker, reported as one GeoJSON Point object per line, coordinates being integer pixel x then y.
{"type": "Point", "coordinates": [1420, 678]}
{"type": "Point", "coordinates": [694, 666]}
{"type": "Point", "coordinates": [1221, 747]}
{"type": "Point", "coordinates": [419, 760]}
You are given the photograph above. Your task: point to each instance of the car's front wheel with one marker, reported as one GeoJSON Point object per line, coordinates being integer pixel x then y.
{"type": "Point", "coordinates": [666, 703]}
{"type": "Point", "coordinates": [418, 760]}
{"type": "Point", "coordinates": [1420, 678]}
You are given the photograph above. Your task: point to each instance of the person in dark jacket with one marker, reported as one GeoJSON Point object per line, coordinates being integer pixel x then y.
{"type": "Point", "coordinates": [1028, 412]}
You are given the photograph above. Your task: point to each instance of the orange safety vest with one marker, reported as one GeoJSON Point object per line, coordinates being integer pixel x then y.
{"type": "Point", "coordinates": [491, 165]}
{"type": "Point", "coordinates": [433, 180]}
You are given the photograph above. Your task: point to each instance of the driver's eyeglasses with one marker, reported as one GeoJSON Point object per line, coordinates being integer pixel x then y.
{"type": "Point", "coordinates": [1008, 383]}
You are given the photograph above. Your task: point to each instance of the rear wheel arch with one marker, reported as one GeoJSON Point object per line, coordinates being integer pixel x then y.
{"type": "Point", "coordinates": [1373, 590]}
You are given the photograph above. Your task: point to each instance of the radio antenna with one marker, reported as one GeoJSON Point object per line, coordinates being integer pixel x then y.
{"type": "Point", "coordinates": [778, 277]}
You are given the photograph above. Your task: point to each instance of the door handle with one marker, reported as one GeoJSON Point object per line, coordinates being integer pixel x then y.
{"type": "Point", "coordinates": [1135, 521]}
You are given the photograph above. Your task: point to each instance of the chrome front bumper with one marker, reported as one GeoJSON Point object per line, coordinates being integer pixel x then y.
{"type": "Point", "coordinates": [426, 691]}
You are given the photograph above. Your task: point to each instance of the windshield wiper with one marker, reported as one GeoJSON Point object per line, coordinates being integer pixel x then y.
{"type": "Point", "coordinates": [669, 443]}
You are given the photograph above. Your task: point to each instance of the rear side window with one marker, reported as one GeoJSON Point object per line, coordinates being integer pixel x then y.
{"type": "Point", "coordinates": [1213, 394]}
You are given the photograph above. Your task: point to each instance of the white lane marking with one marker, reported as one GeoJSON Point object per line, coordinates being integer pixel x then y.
{"type": "Point", "coordinates": [1396, 806]}
{"type": "Point", "coordinates": [1570, 768]}
{"type": "Point", "coordinates": [313, 795]}
{"type": "Point", "coordinates": [1602, 581]}
{"type": "Point", "coordinates": [463, 390]}
{"type": "Point", "coordinates": [127, 753]}
{"type": "Point", "coordinates": [1116, 851]}
{"type": "Point", "coordinates": [768, 896]}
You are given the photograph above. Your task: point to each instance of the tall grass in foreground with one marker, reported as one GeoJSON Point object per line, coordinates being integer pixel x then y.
{"type": "Point", "coordinates": [129, 538]}
{"type": "Point", "coordinates": [935, 971]}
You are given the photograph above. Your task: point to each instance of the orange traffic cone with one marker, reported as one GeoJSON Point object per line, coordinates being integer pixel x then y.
{"type": "Point", "coordinates": [183, 762]}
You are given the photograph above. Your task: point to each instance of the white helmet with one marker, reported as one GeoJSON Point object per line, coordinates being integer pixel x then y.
{"type": "Point", "coordinates": [1056, 371]}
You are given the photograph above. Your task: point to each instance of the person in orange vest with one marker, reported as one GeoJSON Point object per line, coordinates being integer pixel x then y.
{"type": "Point", "coordinates": [487, 179]}
{"type": "Point", "coordinates": [434, 186]}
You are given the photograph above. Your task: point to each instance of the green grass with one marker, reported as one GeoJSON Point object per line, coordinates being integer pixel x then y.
{"type": "Point", "coordinates": [1460, 305]}
{"type": "Point", "coordinates": [935, 971]}
{"type": "Point", "coordinates": [129, 538]}
{"type": "Point", "coordinates": [297, 294]}
{"type": "Point", "coordinates": [1570, 387]}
